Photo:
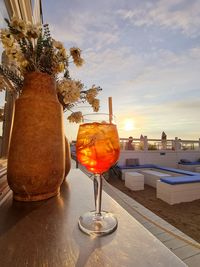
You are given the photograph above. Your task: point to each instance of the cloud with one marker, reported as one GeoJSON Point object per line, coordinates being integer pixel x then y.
{"type": "Point", "coordinates": [143, 83]}
{"type": "Point", "coordinates": [190, 105]}
{"type": "Point", "coordinates": [86, 30]}
{"type": "Point", "coordinates": [170, 71]}
{"type": "Point", "coordinates": [111, 65]}
{"type": "Point", "coordinates": [174, 14]}
{"type": "Point", "coordinates": [167, 117]}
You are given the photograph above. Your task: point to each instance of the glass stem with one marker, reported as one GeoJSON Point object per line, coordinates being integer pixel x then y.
{"type": "Point", "coordinates": [97, 193]}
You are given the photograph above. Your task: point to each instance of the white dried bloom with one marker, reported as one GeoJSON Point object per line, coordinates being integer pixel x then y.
{"type": "Point", "coordinates": [95, 104]}
{"type": "Point", "coordinates": [33, 31]}
{"type": "Point", "coordinates": [18, 24]}
{"type": "Point", "coordinates": [70, 89]}
{"type": "Point", "coordinates": [91, 94]}
{"type": "Point", "coordinates": [75, 52]}
{"type": "Point", "coordinates": [76, 117]}
{"type": "Point", "coordinates": [7, 39]}
{"type": "Point", "coordinates": [57, 44]}
{"type": "Point", "coordinates": [14, 52]}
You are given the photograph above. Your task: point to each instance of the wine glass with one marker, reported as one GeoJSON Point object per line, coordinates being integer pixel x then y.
{"type": "Point", "coordinates": [97, 148]}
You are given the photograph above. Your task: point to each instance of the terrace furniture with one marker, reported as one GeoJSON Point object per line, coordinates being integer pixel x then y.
{"type": "Point", "coordinates": [124, 171]}
{"type": "Point", "coordinates": [151, 176]}
{"type": "Point", "coordinates": [131, 168]}
{"type": "Point", "coordinates": [132, 162]}
{"type": "Point", "coordinates": [189, 166]}
{"type": "Point", "coordinates": [179, 189]}
{"type": "Point", "coordinates": [134, 181]}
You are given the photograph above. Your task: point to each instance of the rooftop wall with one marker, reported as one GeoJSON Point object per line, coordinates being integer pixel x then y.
{"type": "Point", "coordinates": [158, 157]}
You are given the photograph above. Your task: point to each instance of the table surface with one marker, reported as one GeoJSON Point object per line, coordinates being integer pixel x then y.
{"type": "Point", "coordinates": [46, 233]}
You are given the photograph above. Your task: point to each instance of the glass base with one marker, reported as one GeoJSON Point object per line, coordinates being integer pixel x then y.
{"type": "Point", "coordinates": [98, 225]}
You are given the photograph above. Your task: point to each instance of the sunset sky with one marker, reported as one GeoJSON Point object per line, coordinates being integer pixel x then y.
{"type": "Point", "coordinates": [145, 54]}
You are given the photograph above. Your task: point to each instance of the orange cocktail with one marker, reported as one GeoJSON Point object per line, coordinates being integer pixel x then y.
{"type": "Point", "coordinates": [97, 146]}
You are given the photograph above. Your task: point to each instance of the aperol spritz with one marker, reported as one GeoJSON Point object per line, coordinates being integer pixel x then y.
{"type": "Point", "coordinates": [97, 149]}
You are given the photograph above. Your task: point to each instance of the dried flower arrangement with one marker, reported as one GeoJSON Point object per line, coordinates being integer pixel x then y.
{"type": "Point", "coordinates": [31, 48]}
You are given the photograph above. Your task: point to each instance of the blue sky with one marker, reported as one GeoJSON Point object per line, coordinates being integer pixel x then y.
{"type": "Point", "coordinates": [145, 54]}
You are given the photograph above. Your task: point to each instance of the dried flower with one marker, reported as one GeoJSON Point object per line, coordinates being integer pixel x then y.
{"type": "Point", "coordinates": [57, 44]}
{"type": "Point", "coordinates": [95, 104]}
{"type": "Point", "coordinates": [6, 38]}
{"type": "Point", "coordinates": [18, 24]}
{"type": "Point", "coordinates": [33, 31]}
{"type": "Point", "coordinates": [32, 48]}
{"type": "Point", "coordinates": [91, 94]}
{"type": "Point", "coordinates": [76, 55]}
{"type": "Point", "coordinates": [76, 117]}
{"type": "Point", "coordinates": [70, 90]}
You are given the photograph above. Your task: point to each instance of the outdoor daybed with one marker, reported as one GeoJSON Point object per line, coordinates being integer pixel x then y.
{"type": "Point", "coordinates": [171, 189]}
{"type": "Point", "coordinates": [188, 165]}
{"type": "Point", "coordinates": [179, 189]}
{"type": "Point", "coordinates": [131, 168]}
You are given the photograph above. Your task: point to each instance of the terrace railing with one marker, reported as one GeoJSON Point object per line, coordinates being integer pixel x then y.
{"type": "Point", "coordinates": [146, 144]}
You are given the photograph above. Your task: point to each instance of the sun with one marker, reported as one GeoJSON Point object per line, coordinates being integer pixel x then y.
{"type": "Point", "coordinates": [129, 125]}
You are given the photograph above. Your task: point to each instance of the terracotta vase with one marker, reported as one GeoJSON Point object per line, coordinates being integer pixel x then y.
{"type": "Point", "coordinates": [67, 157]}
{"type": "Point", "coordinates": [36, 159]}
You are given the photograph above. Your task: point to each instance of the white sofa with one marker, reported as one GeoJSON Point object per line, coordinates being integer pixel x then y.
{"type": "Point", "coordinates": [191, 168]}
{"type": "Point", "coordinates": [151, 176]}
{"type": "Point", "coordinates": [177, 193]}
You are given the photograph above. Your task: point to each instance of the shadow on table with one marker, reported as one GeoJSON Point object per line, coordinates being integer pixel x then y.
{"type": "Point", "coordinates": [87, 246]}
{"type": "Point", "coordinates": [13, 211]}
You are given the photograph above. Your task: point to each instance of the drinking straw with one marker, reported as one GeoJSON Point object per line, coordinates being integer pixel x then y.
{"type": "Point", "coordinates": [110, 109]}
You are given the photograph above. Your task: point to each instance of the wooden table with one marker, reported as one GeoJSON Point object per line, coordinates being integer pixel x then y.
{"type": "Point", "coordinates": [46, 233]}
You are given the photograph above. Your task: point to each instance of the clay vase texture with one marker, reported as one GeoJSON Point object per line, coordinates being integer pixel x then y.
{"type": "Point", "coordinates": [67, 157]}
{"type": "Point", "coordinates": [36, 158]}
